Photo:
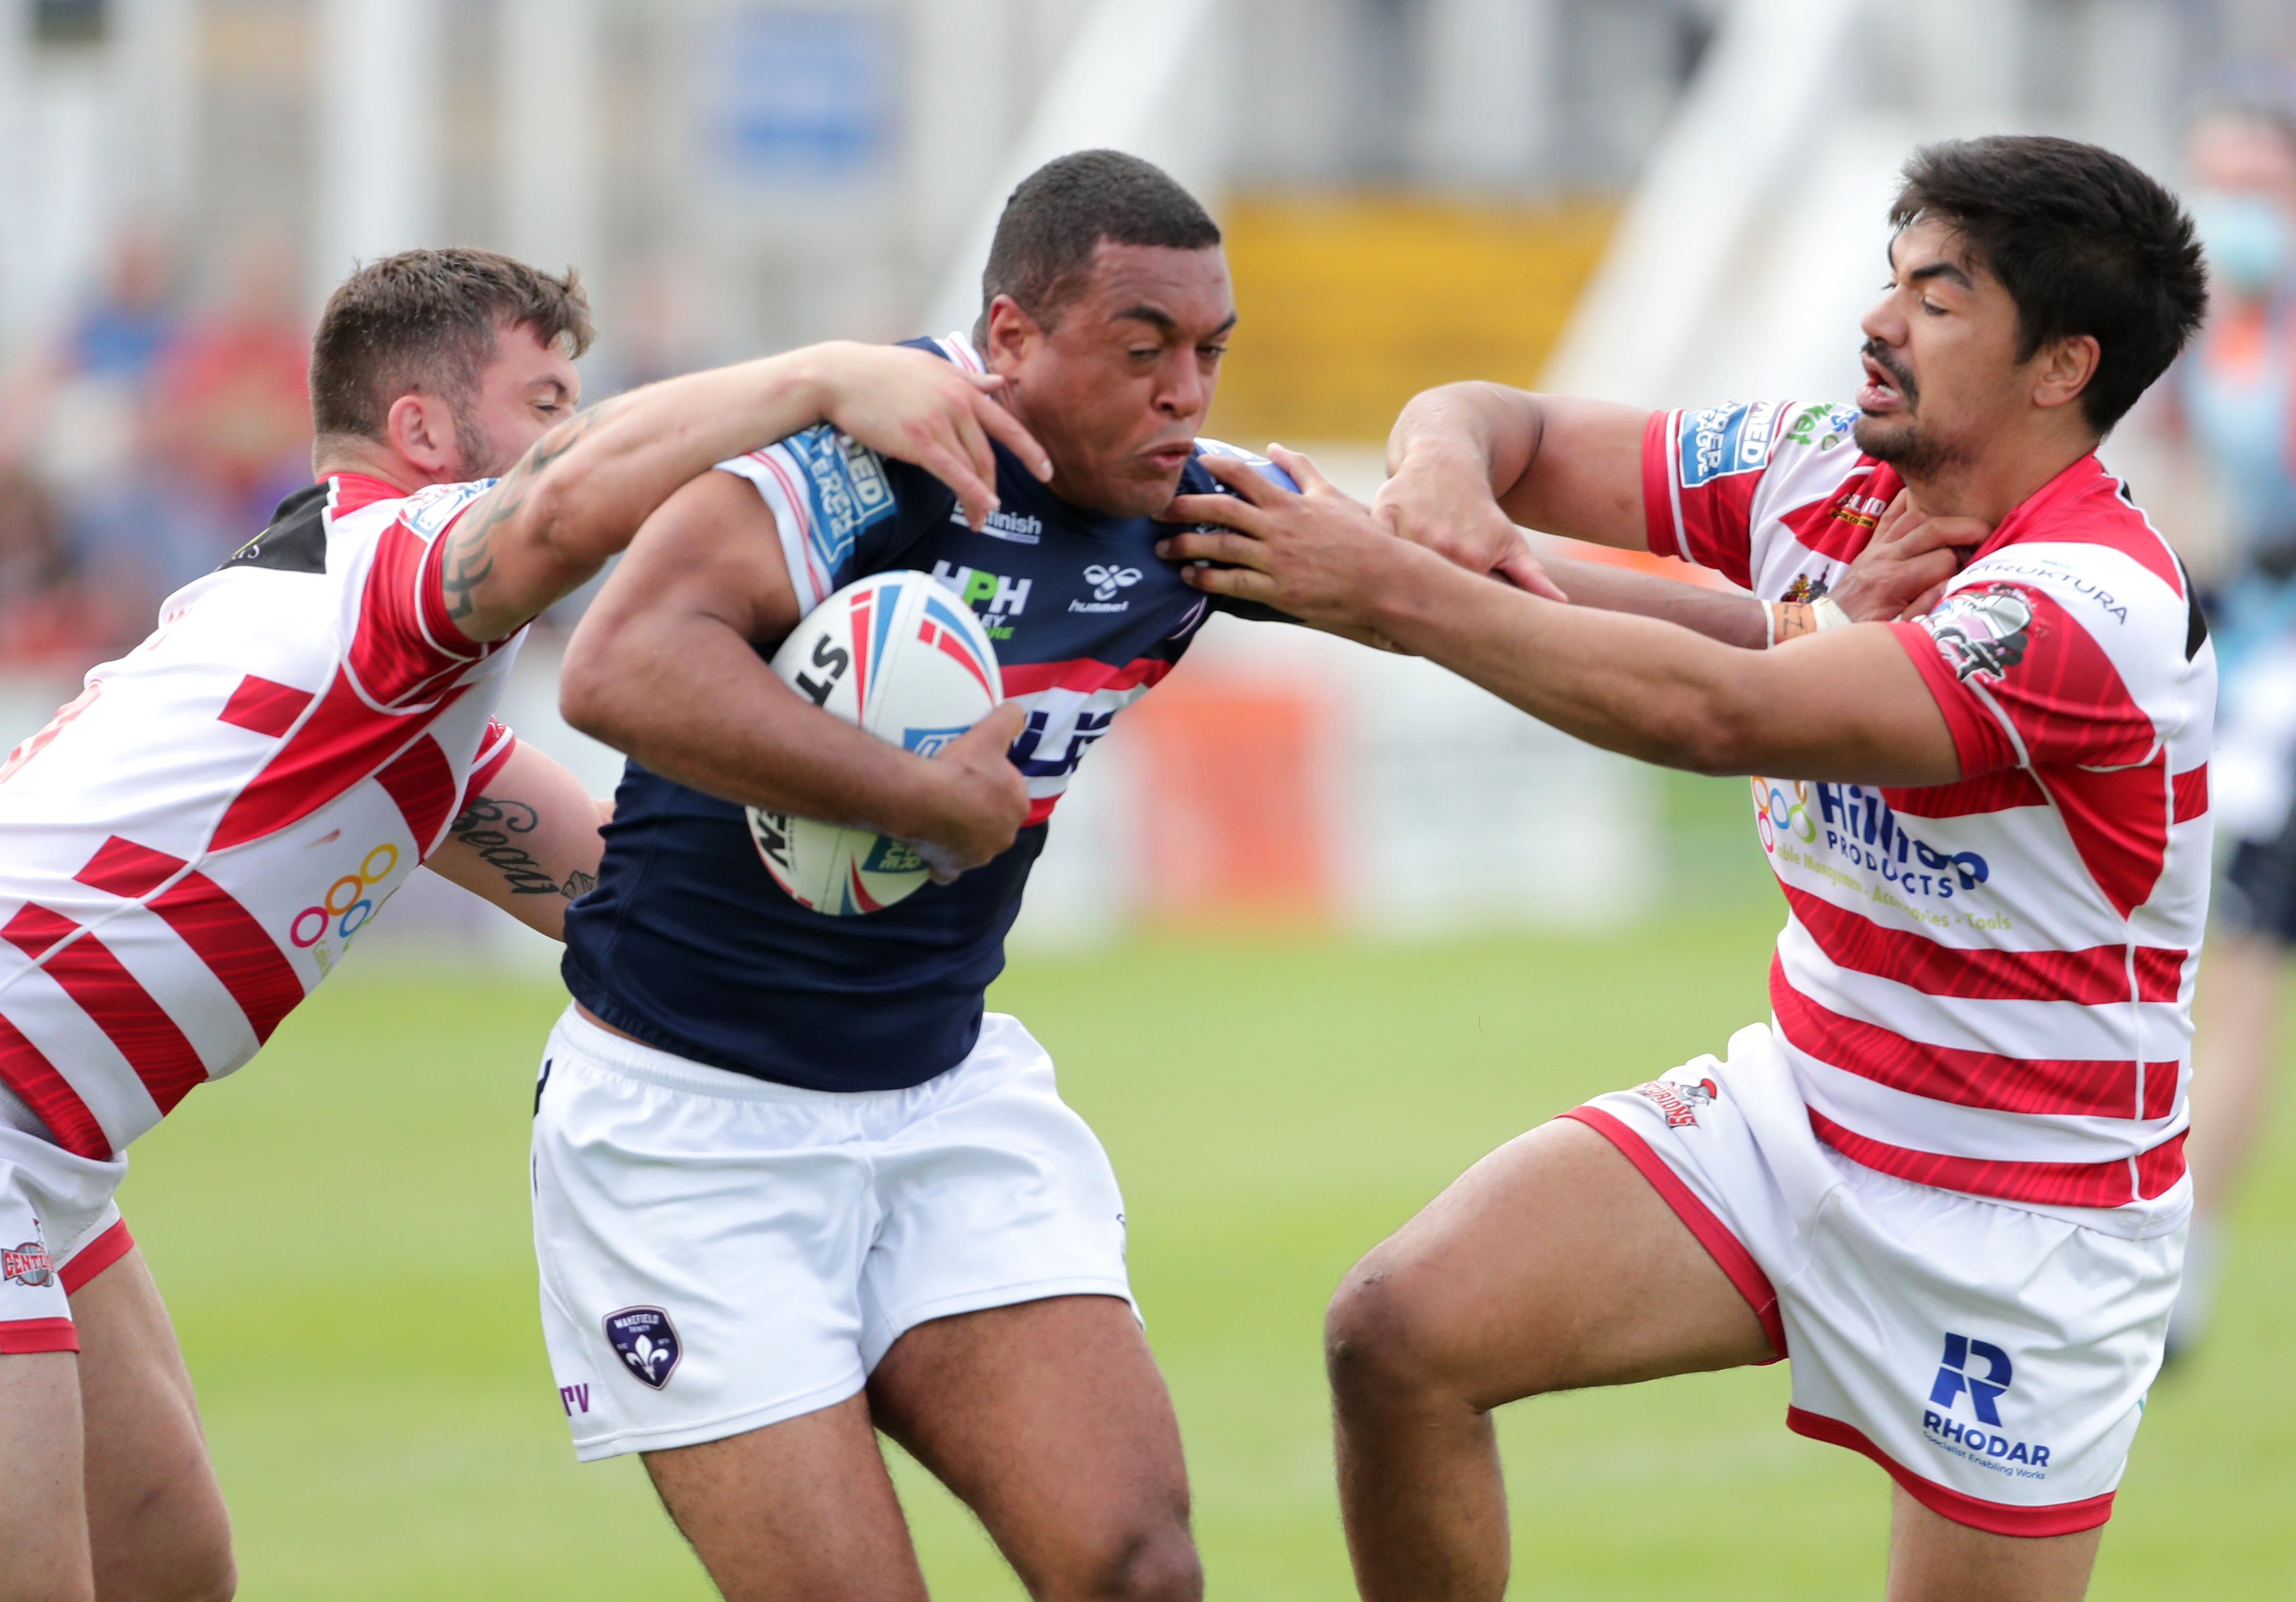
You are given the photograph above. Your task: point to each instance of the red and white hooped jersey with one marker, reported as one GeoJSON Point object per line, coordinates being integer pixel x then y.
{"type": "Point", "coordinates": [1984, 986]}
{"type": "Point", "coordinates": [192, 843]}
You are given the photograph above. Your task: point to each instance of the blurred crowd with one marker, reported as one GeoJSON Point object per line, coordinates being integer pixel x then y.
{"type": "Point", "coordinates": [150, 438]}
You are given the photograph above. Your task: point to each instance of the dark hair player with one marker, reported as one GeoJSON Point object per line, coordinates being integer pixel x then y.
{"type": "Point", "coordinates": [793, 1185]}
{"type": "Point", "coordinates": [1948, 1180]}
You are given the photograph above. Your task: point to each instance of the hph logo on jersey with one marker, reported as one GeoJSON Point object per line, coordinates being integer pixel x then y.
{"type": "Point", "coordinates": [647, 1342]}
{"type": "Point", "coordinates": [996, 598]}
{"type": "Point", "coordinates": [1981, 1372]}
{"type": "Point", "coordinates": [1680, 1102]}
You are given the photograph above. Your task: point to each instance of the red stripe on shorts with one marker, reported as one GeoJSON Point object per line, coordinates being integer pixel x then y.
{"type": "Point", "coordinates": [37, 1335]}
{"type": "Point", "coordinates": [96, 1256]}
{"type": "Point", "coordinates": [1997, 1518]}
{"type": "Point", "coordinates": [1728, 1252]}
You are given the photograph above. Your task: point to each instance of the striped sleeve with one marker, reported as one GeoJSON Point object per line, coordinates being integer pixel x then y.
{"type": "Point", "coordinates": [826, 490]}
{"type": "Point", "coordinates": [2022, 684]}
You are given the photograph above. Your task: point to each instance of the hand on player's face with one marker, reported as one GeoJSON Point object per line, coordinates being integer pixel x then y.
{"type": "Point", "coordinates": [1906, 566]}
{"type": "Point", "coordinates": [1452, 513]}
{"type": "Point", "coordinates": [984, 800]}
{"type": "Point", "coordinates": [915, 406]}
{"type": "Point", "coordinates": [1317, 554]}
{"type": "Point", "coordinates": [1118, 385]}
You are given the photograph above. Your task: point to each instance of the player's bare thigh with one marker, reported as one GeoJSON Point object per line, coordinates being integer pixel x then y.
{"type": "Point", "coordinates": [1549, 1265]}
{"type": "Point", "coordinates": [157, 1525]}
{"type": "Point", "coordinates": [1933, 1559]}
{"type": "Point", "coordinates": [1050, 1420]}
{"type": "Point", "coordinates": [799, 1511]}
{"type": "Point", "coordinates": [43, 1513]}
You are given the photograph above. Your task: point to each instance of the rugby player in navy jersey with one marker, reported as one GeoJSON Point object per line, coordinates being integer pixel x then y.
{"type": "Point", "coordinates": [792, 1184]}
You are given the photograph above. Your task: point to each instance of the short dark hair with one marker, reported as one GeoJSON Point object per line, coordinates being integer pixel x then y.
{"type": "Point", "coordinates": [2085, 244]}
{"type": "Point", "coordinates": [1041, 253]}
{"type": "Point", "coordinates": [426, 321]}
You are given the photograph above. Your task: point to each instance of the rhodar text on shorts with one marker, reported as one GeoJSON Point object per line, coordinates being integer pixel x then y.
{"type": "Point", "coordinates": [59, 1229]}
{"type": "Point", "coordinates": [1992, 1359]}
{"type": "Point", "coordinates": [720, 1252]}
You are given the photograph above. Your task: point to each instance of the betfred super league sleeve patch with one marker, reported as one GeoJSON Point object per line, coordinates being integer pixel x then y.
{"type": "Point", "coordinates": [429, 510]}
{"type": "Point", "coordinates": [845, 490]}
{"type": "Point", "coordinates": [1723, 439]}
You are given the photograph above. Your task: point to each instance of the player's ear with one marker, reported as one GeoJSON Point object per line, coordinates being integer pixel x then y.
{"type": "Point", "coordinates": [2063, 368]}
{"type": "Point", "coordinates": [420, 429]}
{"type": "Point", "coordinates": [1011, 334]}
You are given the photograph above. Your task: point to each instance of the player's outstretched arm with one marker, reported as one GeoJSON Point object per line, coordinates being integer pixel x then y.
{"type": "Point", "coordinates": [665, 667]}
{"type": "Point", "coordinates": [529, 844]}
{"type": "Point", "coordinates": [1470, 462]}
{"type": "Point", "coordinates": [579, 495]}
{"type": "Point", "coordinates": [1848, 704]}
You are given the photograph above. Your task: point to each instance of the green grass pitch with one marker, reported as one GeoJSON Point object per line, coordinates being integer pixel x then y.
{"type": "Point", "coordinates": [342, 1234]}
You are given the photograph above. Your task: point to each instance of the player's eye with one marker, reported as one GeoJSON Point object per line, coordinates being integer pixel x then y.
{"type": "Point", "coordinates": [1933, 308]}
{"type": "Point", "coordinates": [1214, 351]}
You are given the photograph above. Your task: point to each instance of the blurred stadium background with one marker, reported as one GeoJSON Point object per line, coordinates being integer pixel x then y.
{"type": "Point", "coordinates": [1319, 927]}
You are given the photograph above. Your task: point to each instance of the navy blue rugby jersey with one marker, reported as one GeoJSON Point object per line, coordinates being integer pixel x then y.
{"type": "Point", "coordinates": [688, 944]}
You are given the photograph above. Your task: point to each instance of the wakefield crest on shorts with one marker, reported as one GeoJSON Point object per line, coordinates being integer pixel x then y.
{"type": "Point", "coordinates": [689, 945]}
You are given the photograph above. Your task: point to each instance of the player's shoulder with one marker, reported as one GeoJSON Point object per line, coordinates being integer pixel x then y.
{"type": "Point", "coordinates": [2084, 542]}
{"type": "Point", "coordinates": [348, 507]}
{"type": "Point", "coordinates": [1763, 442]}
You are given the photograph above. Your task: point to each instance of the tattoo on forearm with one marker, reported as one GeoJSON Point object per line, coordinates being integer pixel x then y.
{"type": "Point", "coordinates": [469, 560]}
{"type": "Point", "coordinates": [488, 824]}
{"type": "Point", "coordinates": [1794, 619]}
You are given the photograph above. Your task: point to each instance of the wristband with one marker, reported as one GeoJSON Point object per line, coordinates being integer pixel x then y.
{"type": "Point", "coordinates": [1827, 613]}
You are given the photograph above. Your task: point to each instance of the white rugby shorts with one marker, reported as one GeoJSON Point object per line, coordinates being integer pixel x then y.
{"type": "Point", "coordinates": [1993, 1360]}
{"type": "Point", "coordinates": [719, 1253]}
{"type": "Point", "coordinates": [59, 1229]}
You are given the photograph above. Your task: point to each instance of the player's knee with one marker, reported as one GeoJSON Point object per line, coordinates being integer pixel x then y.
{"type": "Point", "coordinates": [1378, 1338]}
{"type": "Point", "coordinates": [1157, 1564]}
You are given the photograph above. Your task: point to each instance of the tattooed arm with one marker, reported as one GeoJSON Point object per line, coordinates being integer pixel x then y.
{"type": "Point", "coordinates": [579, 496]}
{"type": "Point", "coordinates": [531, 845]}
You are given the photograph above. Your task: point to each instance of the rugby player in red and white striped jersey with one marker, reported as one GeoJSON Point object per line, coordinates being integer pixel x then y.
{"type": "Point", "coordinates": [1947, 1180]}
{"type": "Point", "coordinates": [195, 841]}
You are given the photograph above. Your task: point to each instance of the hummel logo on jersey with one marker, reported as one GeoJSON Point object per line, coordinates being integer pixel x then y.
{"type": "Point", "coordinates": [1105, 582]}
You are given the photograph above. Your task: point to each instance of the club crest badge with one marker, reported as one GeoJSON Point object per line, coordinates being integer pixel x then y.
{"type": "Point", "coordinates": [27, 1264]}
{"type": "Point", "coordinates": [1680, 1100]}
{"type": "Point", "coordinates": [647, 1341]}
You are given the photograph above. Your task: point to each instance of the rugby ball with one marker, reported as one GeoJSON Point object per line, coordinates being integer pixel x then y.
{"type": "Point", "coordinates": [900, 655]}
